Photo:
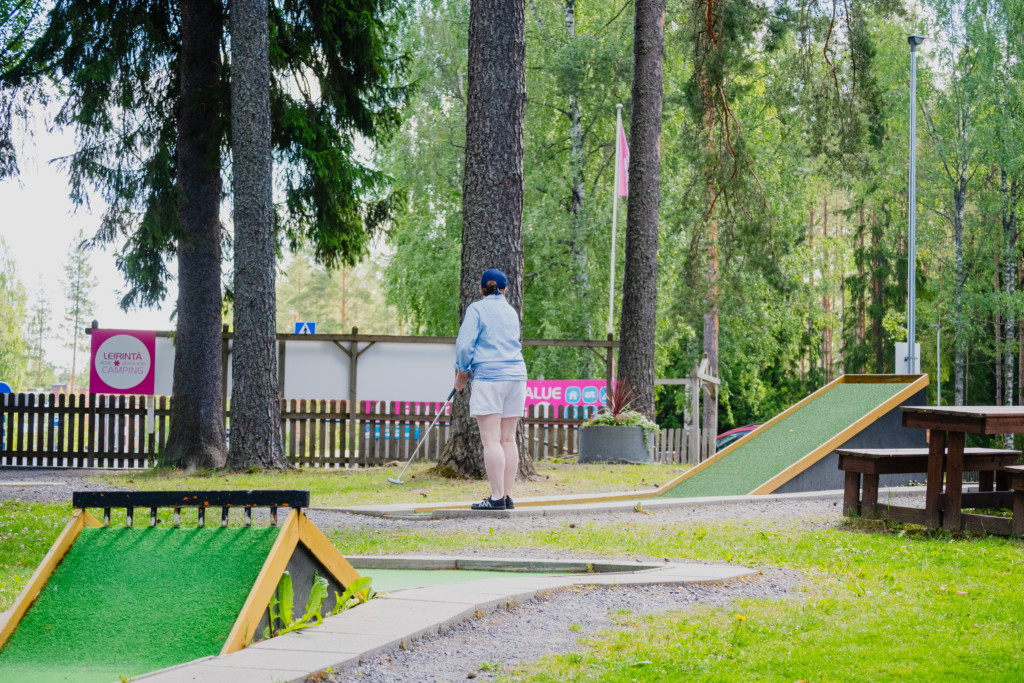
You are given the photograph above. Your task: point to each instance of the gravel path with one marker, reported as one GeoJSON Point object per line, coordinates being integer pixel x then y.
{"type": "Point", "coordinates": [483, 647]}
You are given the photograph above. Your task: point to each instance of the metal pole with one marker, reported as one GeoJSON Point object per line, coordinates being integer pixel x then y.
{"type": "Point", "coordinates": [615, 216]}
{"type": "Point", "coordinates": [912, 360]}
{"type": "Point", "coordinates": [938, 364]}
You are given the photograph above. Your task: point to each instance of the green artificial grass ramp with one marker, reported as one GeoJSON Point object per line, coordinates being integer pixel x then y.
{"type": "Point", "coordinates": [125, 601]}
{"type": "Point", "coordinates": [777, 447]}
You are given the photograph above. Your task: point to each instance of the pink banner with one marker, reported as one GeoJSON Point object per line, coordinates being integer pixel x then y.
{"type": "Point", "coordinates": [566, 392]}
{"type": "Point", "coordinates": [123, 362]}
{"type": "Point", "coordinates": [623, 163]}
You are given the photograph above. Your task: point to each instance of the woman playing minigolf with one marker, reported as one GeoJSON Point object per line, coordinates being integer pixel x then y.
{"type": "Point", "coordinates": [488, 350]}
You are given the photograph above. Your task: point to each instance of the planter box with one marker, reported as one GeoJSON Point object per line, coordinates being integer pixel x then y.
{"type": "Point", "coordinates": [608, 443]}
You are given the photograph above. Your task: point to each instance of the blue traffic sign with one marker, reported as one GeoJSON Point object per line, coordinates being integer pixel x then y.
{"type": "Point", "coordinates": [305, 328]}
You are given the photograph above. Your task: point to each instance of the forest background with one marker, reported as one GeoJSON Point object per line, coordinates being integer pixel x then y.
{"type": "Point", "coordinates": [788, 194]}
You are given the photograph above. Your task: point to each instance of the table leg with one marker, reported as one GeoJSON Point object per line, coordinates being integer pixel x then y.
{"type": "Point", "coordinates": [936, 453]}
{"type": "Point", "coordinates": [986, 481]}
{"type": "Point", "coordinates": [954, 480]}
{"type": "Point", "coordinates": [851, 493]}
{"type": "Point", "coordinates": [869, 497]}
{"type": "Point", "coordinates": [1017, 525]}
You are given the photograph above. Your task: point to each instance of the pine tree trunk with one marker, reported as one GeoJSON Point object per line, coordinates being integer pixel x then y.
{"type": "Point", "coordinates": [640, 276]}
{"type": "Point", "coordinates": [255, 401]}
{"type": "Point", "coordinates": [196, 437]}
{"type": "Point", "coordinates": [492, 199]}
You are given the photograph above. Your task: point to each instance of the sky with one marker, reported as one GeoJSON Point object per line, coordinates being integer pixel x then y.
{"type": "Point", "coordinates": [39, 223]}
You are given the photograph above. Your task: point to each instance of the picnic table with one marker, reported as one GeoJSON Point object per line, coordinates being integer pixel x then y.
{"type": "Point", "coordinates": [944, 495]}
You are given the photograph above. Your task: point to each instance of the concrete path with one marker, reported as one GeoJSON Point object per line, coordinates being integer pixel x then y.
{"type": "Point", "coordinates": [401, 616]}
{"type": "Point", "coordinates": [551, 506]}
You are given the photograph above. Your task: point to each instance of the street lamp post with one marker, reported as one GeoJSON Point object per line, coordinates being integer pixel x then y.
{"type": "Point", "coordinates": [912, 360]}
{"type": "Point", "coordinates": [938, 364]}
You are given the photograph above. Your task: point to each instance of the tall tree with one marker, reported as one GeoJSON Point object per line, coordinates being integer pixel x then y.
{"type": "Point", "coordinates": [12, 315]}
{"type": "Point", "coordinates": [640, 279]}
{"type": "Point", "coordinates": [196, 437]}
{"type": "Point", "coordinates": [21, 21]}
{"type": "Point", "coordinates": [79, 283]}
{"type": "Point", "coordinates": [38, 332]}
{"type": "Point", "coordinates": [255, 401]}
{"type": "Point", "coordinates": [953, 123]}
{"type": "Point", "coordinates": [146, 92]}
{"type": "Point", "coordinates": [492, 199]}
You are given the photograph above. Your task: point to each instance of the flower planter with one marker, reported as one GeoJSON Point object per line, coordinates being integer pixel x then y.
{"type": "Point", "coordinates": [609, 443]}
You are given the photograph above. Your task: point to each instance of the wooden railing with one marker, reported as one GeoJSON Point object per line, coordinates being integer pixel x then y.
{"type": "Point", "coordinates": [79, 430]}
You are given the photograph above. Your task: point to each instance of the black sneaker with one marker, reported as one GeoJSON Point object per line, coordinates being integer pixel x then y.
{"type": "Point", "coordinates": [509, 505]}
{"type": "Point", "coordinates": [488, 504]}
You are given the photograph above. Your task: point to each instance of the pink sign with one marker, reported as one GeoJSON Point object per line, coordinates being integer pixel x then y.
{"type": "Point", "coordinates": [123, 362]}
{"type": "Point", "coordinates": [566, 392]}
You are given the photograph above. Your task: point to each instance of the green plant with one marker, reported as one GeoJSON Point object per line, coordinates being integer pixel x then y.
{"type": "Point", "coordinates": [357, 593]}
{"type": "Point", "coordinates": [616, 412]}
{"type": "Point", "coordinates": [281, 606]}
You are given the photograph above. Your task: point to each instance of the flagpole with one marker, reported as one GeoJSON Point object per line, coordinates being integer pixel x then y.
{"type": "Point", "coordinates": [615, 215]}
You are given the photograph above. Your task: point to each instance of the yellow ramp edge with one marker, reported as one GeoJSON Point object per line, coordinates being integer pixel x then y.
{"type": "Point", "coordinates": [918, 382]}
{"type": "Point", "coordinates": [297, 528]}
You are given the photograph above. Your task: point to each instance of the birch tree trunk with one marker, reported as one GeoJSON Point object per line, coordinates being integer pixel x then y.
{"type": "Point", "coordinates": [1011, 192]}
{"type": "Point", "coordinates": [577, 225]}
{"type": "Point", "coordinates": [959, 335]}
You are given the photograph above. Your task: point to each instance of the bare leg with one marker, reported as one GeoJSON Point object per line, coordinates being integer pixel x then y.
{"type": "Point", "coordinates": [494, 453]}
{"type": "Point", "coordinates": [508, 446]}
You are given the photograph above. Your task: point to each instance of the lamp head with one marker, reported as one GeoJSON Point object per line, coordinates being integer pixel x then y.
{"type": "Point", "coordinates": [914, 41]}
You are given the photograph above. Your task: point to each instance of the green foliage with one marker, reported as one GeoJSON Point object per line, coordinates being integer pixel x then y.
{"type": "Point", "coordinates": [281, 608]}
{"type": "Point", "coordinates": [336, 80]}
{"type": "Point", "coordinates": [21, 21]}
{"type": "Point", "coordinates": [12, 315]}
{"type": "Point", "coordinates": [357, 593]}
{"type": "Point", "coordinates": [351, 296]}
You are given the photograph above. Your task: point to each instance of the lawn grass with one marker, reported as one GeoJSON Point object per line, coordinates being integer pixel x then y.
{"type": "Point", "coordinates": [885, 605]}
{"type": "Point", "coordinates": [880, 603]}
{"type": "Point", "coordinates": [369, 486]}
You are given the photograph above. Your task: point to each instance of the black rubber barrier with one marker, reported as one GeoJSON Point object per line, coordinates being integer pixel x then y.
{"type": "Point", "coordinates": [200, 499]}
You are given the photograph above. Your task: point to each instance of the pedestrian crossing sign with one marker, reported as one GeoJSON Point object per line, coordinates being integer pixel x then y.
{"type": "Point", "coordinates": [305, 328]}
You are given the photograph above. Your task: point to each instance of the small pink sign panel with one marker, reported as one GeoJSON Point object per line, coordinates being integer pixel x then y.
{"type": "Point", "coordinates": [123, 362]}
{"type": "Point", "coordinates": [566, 392]}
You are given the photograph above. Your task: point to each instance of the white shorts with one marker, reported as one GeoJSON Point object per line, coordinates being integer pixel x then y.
{"type": "Point", "coordinates": [507, 399]}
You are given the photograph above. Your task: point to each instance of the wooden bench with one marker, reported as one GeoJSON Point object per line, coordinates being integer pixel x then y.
{"type": "Point", "coordinates": [863, 467]}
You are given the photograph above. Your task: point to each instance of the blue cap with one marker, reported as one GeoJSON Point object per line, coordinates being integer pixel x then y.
{"type": "Point", "coordinates": [496, 276]}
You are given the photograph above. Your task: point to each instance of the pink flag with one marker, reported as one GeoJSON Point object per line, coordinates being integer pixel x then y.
{"type": "Point", "coordinates": [622, 164]}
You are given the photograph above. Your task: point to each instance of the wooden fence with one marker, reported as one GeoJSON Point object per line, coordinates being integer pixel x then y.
{"type": "Point", "coordinates": [79, 430]}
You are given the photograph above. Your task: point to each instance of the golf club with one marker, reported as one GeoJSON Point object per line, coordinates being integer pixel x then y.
{"type": "Point", "coordinates": [398, 479]}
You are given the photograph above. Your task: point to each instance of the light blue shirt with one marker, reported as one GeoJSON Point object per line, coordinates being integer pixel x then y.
{"type": "Point", "coordinates": [488, 341]}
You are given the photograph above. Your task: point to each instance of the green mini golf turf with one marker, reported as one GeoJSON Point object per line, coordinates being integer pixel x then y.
{"type": "Point", "coordinates": [775, 448]}
{"type": "Point", "coordinates": [127, 601]}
